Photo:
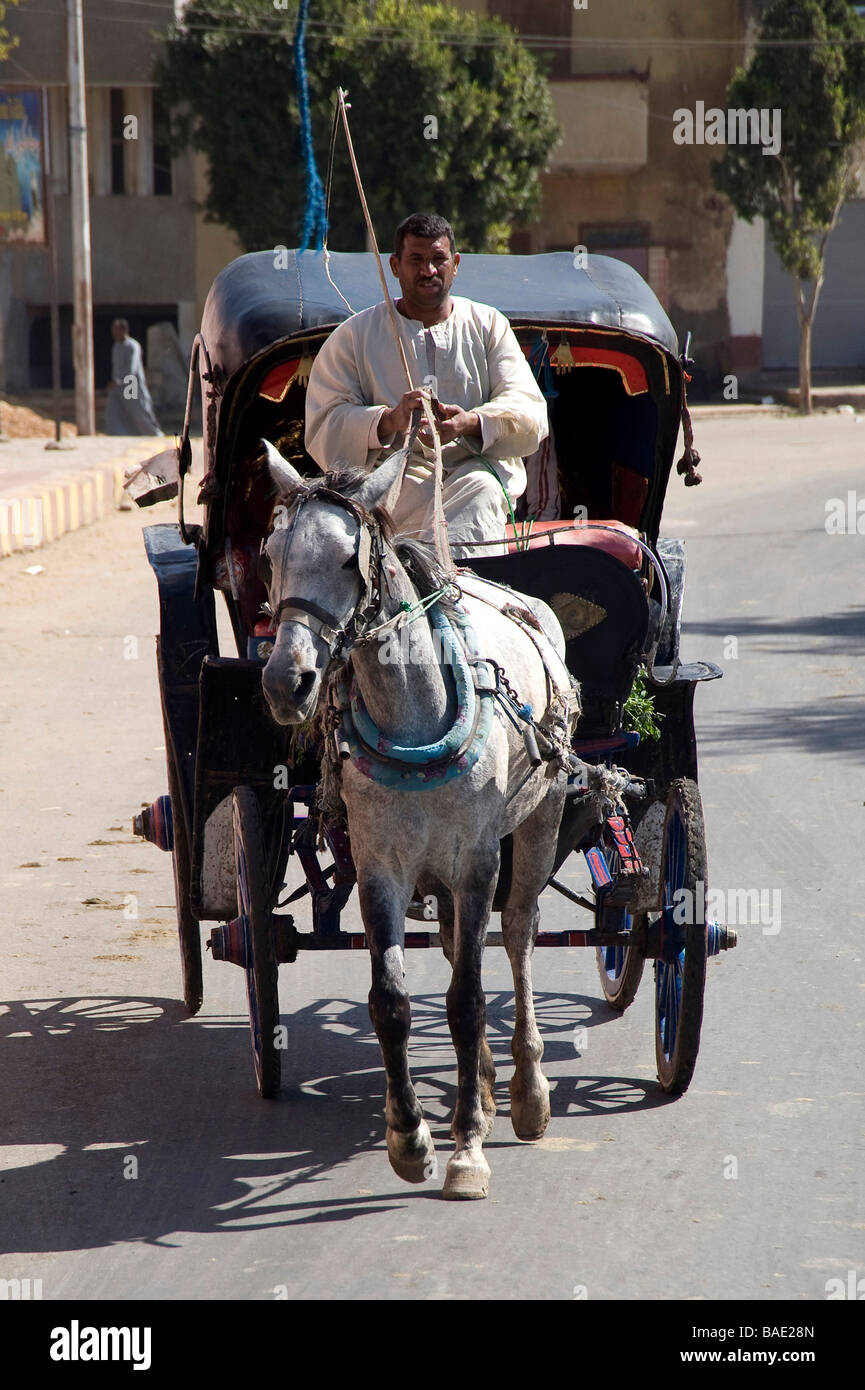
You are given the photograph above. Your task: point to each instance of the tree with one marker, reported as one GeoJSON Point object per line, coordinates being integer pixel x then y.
{"type": "Point", "coordinates": [449, 112]}
{"type": "Point", "coordinates": [809, 64]}
{"type": "Point", "coordinates": [7, 43]}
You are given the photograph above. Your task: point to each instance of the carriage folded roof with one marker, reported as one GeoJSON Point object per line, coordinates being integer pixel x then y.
{"type": "Point", "coordinates": [267, 296]}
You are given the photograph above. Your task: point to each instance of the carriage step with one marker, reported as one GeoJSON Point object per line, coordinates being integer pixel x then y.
{"type": "Point", "coordinates": [156, 823]}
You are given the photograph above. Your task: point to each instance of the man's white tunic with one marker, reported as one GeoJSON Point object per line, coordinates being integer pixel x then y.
{"type": "Point", "coordinates": [471, 360]}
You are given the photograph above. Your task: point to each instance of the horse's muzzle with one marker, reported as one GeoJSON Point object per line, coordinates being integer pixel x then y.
{"type": "Point", "coordinates": [291, 696]}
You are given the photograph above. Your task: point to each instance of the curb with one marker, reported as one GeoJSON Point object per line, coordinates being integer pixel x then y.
{"type": "Point", "coordinates": [64, 502]}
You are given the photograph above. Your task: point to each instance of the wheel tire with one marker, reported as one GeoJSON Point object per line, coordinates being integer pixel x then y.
{"type": "Point", "coordinates": [253, 906]}
{"type": "Point", "coordinates": [188, 929]}
{"type": "Point", "coordinates": [620, 967]}
{"type": "Point", "coordinates": [680, 982]}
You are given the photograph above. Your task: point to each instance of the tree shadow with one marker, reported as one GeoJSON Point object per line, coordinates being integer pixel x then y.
{"type": "Point", "coordinates": [833, 724]}
{"type": "Point", "coordinates": [829, 634]}
{"type": "Point", "coordinates": [141, 1123]}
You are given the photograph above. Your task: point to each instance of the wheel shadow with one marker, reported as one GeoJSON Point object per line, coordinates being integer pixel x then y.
{"type": "Point", "coordinates": [125, 1120]}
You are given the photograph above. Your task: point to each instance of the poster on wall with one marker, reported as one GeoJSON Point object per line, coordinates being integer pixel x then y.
{"type": "Point", "coordinates": [22, 213]}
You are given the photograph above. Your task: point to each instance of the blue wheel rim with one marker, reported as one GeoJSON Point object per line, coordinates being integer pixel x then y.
{"type": "Point", "coordinates": [668, 974]}
{"type": "Point", "coordinates": [613, 957]}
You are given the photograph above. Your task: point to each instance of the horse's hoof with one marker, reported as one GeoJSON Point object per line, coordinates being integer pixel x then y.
{"type": "Point", "coordinates": [530, 1112]}
{"type": "Point", "coordinates": [412, 1156]}
{"type": "Point", "coordinates": [467, 1178]}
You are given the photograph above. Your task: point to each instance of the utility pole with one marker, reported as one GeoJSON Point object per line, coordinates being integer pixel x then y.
{"type": "Point", "coordinates": [82, 330]}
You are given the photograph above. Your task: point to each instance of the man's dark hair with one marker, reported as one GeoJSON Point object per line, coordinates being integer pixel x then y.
{"type": "Point", "coordinates": [424, 224]}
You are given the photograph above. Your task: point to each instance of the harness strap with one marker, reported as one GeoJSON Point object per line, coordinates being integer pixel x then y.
{"type": "Point", "coordinates": [310, 615]}
{"type": "Point", "coordinates": [558, 681]}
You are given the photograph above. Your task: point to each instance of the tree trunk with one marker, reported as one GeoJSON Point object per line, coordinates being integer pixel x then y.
{"type": "Point", "coordinates": [805, 366]}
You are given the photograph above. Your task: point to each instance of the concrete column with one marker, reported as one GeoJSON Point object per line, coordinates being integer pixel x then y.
{"type": "Point", "coordinates": [138, 152]}
{"type": "Point", "coordinates": [99, 140]}
{"type": "Point", "coordinates": [82, 332]}
{"type": "Point", "coordinates": [745, 271]}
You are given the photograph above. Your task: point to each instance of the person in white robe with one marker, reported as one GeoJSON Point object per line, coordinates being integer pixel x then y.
{"type": "Point", "coordinates": [129, 408]}
{"type": "Point", "coordinates": [465, 356]}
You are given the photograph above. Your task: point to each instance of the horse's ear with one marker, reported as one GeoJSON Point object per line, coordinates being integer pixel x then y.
{"type": "Point", "coordinates": [381, 488]}
{"type": "Point", "coordinates": [284, 476]}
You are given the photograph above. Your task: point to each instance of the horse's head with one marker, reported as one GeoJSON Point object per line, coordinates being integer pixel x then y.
{"type": "Point", "coordinates": [322, 556]}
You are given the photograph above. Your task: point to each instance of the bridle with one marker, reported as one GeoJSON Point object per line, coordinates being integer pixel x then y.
{"type": "Point", "coordinates": [368, 558]}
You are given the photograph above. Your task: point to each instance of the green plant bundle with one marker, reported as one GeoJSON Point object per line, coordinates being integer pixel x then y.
{"type": "Point", "coordinates": [639, 715]}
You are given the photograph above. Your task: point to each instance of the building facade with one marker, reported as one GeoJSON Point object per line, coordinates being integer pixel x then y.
{"type": "Point", "coordinates": [623, 182]}
{"type": "Point", "coordinates": [148, 241]}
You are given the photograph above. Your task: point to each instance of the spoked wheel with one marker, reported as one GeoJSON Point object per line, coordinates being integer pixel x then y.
{"type": "Point", "coordinates": [254, 911]}
{"type": "Point", "coordinates": [680, 972]}
{"type": "Point", "coordinates": [620, 967]}
{"type": "Point", "coordinates": [188, 929]}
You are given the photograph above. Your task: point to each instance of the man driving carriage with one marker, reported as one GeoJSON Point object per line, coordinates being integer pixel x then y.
{"type": "Point", "coordinates": [489, 410]}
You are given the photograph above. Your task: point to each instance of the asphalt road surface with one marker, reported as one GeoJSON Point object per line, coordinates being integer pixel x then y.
{"type": "Point", "coordinates": [136, 1158]}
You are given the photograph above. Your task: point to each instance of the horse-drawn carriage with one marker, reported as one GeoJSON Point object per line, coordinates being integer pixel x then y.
{"type": "Point", "coordinates": [243, 789]}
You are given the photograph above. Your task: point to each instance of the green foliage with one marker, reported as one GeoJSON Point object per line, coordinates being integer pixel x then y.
{"type": "Point", "coordinates": [7, 43]}
{"type": "Point", "coordinates": [234, 95]}
{"type": "Point", "coordinates": [639, 715]}
{"type": "Point", "coordinates": [818, 83]}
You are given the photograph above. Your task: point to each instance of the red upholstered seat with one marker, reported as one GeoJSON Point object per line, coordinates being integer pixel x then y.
{"type": "Point", "coordinates": [618, 540]}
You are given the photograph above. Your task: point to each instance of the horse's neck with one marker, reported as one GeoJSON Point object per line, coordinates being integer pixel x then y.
{"type": "Point", "coordinates": [401, 679]}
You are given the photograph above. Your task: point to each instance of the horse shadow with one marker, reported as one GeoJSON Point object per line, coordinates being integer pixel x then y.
{"type": "Point", "coordinates": [125, 1120]}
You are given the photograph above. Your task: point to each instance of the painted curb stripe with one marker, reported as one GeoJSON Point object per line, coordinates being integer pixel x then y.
{"type": "Point", "coordinates": [31, 520]}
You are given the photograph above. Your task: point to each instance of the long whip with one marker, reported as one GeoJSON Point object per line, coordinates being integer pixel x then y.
{"type": "Point", "coordinates": [440, 531]}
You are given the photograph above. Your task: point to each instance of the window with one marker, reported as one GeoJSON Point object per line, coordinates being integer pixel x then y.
{"type": "Point", "coordinates": [161, 148]}
{"type": "Point", "coordinates": [118, 176]}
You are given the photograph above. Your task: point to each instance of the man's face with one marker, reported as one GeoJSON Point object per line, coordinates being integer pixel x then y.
{"type": "Point", "coordinates": [425, 270]}
{"type": "Point", "coordinates": [118, 333]}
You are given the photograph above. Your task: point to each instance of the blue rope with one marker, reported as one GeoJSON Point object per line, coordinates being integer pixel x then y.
{"type": "Point", "coordinates": [539, 361]}
{"type": "Point", "coordinates": [315, 214]}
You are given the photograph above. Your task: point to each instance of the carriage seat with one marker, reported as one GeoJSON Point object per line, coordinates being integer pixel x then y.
{"type": "Point", "coordinates": [616, 539]}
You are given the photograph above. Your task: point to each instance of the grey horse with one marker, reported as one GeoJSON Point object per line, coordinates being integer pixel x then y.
{"type": "Point", "coordinates": [442, 840]}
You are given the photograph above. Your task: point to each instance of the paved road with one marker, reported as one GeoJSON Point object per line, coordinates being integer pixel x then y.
{"type": "Point", "coordinates": [629, 1195]}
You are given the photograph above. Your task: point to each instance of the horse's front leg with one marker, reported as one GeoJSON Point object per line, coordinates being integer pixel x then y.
{"type": "Point", "coordinates": [383, 903]}
{"type": "Point", "coordinates": [468, 1173]}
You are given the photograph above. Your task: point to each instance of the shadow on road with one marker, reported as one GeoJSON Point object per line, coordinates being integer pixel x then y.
{"type": "Point", "coordinates": [829, 634]}
{"type": "Point", "coordinates": [150, 1123]}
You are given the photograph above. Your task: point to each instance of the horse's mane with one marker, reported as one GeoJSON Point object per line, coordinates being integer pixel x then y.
{"type": "Point", "coordinates": [421, 564]}
{"type": "Point", "coordinates": [418, 559]}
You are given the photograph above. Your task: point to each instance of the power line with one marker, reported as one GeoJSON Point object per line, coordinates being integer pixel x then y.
{"type": "Point", "coordinates": [455, 39]}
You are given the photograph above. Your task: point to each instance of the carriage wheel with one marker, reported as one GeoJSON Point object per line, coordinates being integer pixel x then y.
{"type": "Point", "coordinates": [680, 977]}
{"type": "Point", "coordinates": [188, 929]}
{"type": "Point", "coordinates": [620, 967]}
{"type": "Point", "coordinates": [254, 910]}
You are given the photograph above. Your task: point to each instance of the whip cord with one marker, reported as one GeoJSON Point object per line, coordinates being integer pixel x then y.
{"type": "Point", "coordinates": [440, 534]}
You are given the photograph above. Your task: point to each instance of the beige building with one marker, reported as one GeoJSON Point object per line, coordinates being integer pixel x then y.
{"type": "Point", "coordinates": [153, 256]}
{"type": "Point", "coordinates": [618, 183]}
{"type": "Point", "coordinates": [622, 181]}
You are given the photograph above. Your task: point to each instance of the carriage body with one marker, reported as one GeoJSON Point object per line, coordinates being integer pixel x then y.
{"type": "Point", "coordinates": [607, 358]}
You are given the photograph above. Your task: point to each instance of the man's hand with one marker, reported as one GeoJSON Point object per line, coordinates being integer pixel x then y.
{"type": "Point", "coordinates": [452, 421]}
{"type": "Point", "coordinates": [398, 419]}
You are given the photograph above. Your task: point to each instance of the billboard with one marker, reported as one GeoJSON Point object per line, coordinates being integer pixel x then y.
{"type": "Point", "coordinates": [22, 213]}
